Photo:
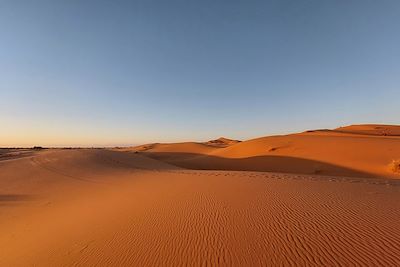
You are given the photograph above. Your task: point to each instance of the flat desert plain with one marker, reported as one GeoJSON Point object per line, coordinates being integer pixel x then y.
{"type": "Point", "coordinates": [318, 198]}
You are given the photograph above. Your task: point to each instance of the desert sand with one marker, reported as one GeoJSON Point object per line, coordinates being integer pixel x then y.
{"type": "Point", "coordinates": [352, 151]}
{"type": "Point", "coordinates": [318, 198]}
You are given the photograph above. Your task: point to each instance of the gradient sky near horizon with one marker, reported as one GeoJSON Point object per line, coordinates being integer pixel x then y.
{"type": "Point", "coordinates": [129, 72]}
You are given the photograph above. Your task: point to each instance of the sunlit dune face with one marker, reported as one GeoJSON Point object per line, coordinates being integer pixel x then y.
{"type": "Point", "coordinates": [355, 151]}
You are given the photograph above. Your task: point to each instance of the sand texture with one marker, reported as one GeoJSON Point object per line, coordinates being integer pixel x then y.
{"type": "Point", "coordinates": [352, 151]}
{"type": "Point", "coordinates": [96, 207]}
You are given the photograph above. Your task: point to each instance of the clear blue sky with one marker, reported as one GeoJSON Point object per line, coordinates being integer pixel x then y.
{"type": "Point", "coordinates": [129, 72]}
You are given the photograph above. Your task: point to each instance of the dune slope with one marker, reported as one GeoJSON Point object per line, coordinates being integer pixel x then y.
{"type": "Point", "coordinates": [354, 151]}
{"type": "Point", "coordinates": [371, 129]}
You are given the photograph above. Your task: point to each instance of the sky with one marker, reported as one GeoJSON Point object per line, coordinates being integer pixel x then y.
{"type": "Point", "coordinates": [105, 73]}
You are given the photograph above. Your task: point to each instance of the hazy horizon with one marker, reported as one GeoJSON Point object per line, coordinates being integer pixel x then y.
{"type": "Point", "coordinates": [101, 73]}
{"type": "Point", "coordinates": [60, 144]}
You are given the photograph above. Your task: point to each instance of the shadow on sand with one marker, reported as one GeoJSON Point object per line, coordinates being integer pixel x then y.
{"type": "Point", "coordinates": [15, 198]}
{"type": "Point", "coordinates": [281, 164]}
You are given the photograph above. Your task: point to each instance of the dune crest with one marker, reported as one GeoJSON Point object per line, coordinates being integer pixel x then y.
{"type": "Point", "coordinates": [222, 142]}
{"type": "Point", "coordinates": [354, 151]}
{"type": "Point", "coordinates": [371, 129]}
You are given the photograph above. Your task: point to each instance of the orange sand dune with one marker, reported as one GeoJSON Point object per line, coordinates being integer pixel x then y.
{"type": "Point", "coordinates": [185, 147]}
{"type": "Point", "coordinates": [354, 151]}
{"type": "Point", "coordinates": [222, 142]}
{"type": "Point", "coordinates": [183, 150]}
{"type": "Point", "coordinates": [110, 208]}
{"type": "Point", "coordinates": [371, 129]}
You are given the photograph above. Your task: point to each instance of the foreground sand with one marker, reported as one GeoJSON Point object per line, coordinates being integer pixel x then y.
{"type": "Point", "coordinates": [99, 207]}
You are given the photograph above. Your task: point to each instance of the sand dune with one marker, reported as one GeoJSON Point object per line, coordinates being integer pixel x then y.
{"type": "Point", "coordinates": [181, 151]}
{"type": "Point", "coordinates": [109, 208]}
{"type": "Point", "coordinates": [371, 129]}
{"type": "Point", "coordinates": [221, 142]}
{"type": "Point", "coordinates": [185, 147]}
{"type": "Point", "coordinates": [142, 207]}
{"type": "Point", "coordinates": [354, 151]}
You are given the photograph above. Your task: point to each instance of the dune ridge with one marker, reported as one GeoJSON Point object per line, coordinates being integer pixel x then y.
{"type": "Point", "coordinates": [371, 129]}
{"type": "Point", "coordinates": [362, 150]}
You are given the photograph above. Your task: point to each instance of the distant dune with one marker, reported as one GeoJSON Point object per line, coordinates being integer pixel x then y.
{"type": "Point", "coordinates": [371, 129]}
{"type": "Point", "coordinates": [185, 147]}
{"type": "Point", "coordinates": [222, 142]}
{"type": "Point", "coordinates": [354, 151]}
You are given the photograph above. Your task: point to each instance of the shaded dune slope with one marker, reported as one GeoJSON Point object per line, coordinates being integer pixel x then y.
{"type": "Point", "coordinates": [355, 151]}
{"type": "Point", "coordinates": [282, 164]}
